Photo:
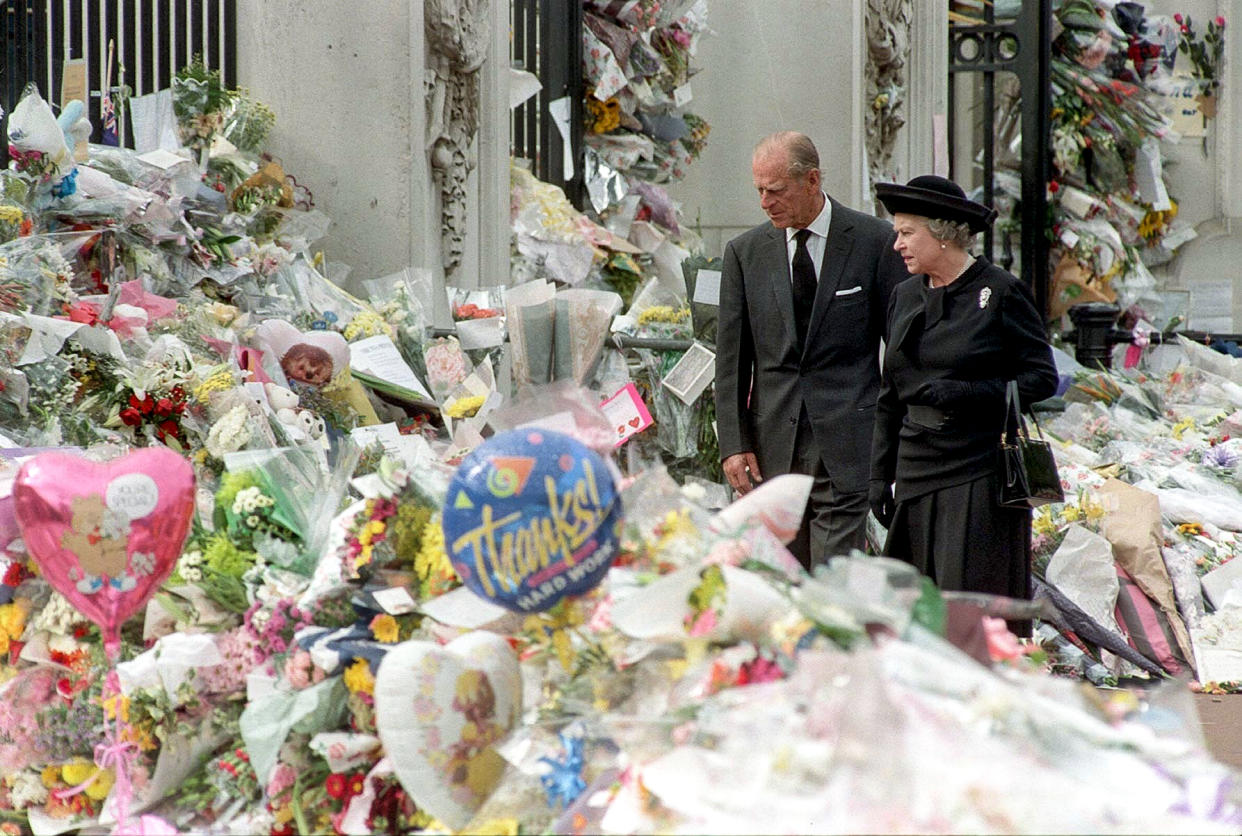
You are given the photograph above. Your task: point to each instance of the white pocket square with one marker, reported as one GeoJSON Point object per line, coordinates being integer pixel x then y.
{"type": "Point", "coordinates": [851, 291]}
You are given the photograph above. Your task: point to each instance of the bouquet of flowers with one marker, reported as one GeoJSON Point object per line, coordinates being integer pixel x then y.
{"type": "Point", "coordinates": [200, 102]}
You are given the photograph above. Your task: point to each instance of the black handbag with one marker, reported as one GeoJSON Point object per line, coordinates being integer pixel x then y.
{"type": "Point", "coordinates": [1028, 469]}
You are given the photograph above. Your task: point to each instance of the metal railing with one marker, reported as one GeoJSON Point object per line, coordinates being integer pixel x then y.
{"type": "Point", "coordinates": [547, 41]}
{"type": "Point", "coordinates": [1021, 46]}
{"type": "Point", "coordinates": [152, 40]}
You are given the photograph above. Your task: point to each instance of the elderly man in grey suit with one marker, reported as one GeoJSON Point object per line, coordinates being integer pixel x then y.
{"type": "Point", "coordinates": [802, 306]}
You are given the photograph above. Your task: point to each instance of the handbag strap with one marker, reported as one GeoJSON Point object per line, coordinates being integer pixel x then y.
{"type": "Point", "coordinates": [1014, 423]}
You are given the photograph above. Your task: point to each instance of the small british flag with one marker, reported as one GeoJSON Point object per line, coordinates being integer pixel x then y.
{"type": "Point", "coordinates": [107, 107]}
{"type": "Point", "coordinates": [107, 114]}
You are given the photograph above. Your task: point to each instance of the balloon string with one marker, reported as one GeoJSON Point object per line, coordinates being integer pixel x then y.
{"type": "Point", "coordinates": [115, 753]}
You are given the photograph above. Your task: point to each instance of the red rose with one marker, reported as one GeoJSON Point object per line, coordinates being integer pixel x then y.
{"type": "Point", "coordinates": [167, 428]}
{"type": "Point", "coordinates": [144, 406]}
{"type": "Point", "coordinates": [1220, 21]}
{"type": "Point", "coordinates": [131, 417]}
{"type": "Point", "coordinates": [1177, 18]}
{"type": "Point", "coordinates": [163, 407]}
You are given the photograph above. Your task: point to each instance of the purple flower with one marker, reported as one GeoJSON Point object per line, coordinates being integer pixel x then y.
{"type": "Point", "coordinates": [1220, 457]}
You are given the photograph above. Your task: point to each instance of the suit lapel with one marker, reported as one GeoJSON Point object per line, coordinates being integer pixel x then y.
{"type": "Point", "coordinates": [775, 263]}
{"type": "Point", "coordinates": [836, 254]}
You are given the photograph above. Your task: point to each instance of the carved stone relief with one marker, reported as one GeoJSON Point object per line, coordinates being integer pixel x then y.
{"type": "Point", "coordinates": [457, 33]}
{"type": "Point", "coordinates": [888, 24]}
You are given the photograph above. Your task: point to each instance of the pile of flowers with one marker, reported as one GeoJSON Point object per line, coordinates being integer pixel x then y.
{"type": "Point", "coordinates": [1110, 66]}
{"type": "Point", "coordinates": [252, 691]}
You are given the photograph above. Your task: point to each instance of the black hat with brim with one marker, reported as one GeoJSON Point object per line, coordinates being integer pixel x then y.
{"type": "Point", "coordinates": [930, 196]}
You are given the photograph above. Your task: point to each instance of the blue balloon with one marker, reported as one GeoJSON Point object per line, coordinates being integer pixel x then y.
{"type": "Point", "coordinates": [531, 516]}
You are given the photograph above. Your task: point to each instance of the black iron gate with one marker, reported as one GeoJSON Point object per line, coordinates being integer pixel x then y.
{"type": "Point", "coordinates": [152, 40]}
{"type": "Point", "coordinates": [547, 41]}
{"type": "Point", "coordinates": [1021, 46]}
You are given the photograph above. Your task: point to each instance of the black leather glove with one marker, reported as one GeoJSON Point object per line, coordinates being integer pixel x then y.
{"type": "Point", "coordinates": [880, 498]}
{"type": "Point", "coordinates": [955, 394]}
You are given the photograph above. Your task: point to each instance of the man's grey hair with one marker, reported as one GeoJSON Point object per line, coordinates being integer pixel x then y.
{"type": "Point", "coordinates": [951, 232]}
{"type": "Point", "coordinates": [798, 147]}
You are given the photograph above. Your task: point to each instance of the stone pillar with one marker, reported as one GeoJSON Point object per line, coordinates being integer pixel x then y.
{"type": "Point", "coordinates": [347, 89]}
{"type": "Point", "coordinates": [770, 66]}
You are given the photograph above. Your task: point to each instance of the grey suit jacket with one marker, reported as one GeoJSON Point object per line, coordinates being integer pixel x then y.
{"type": "Point", "coordinates": [762, 380]}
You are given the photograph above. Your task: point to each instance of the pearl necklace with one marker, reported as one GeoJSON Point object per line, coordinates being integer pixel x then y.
{"type": "Point", "coordinates": [970, 259]}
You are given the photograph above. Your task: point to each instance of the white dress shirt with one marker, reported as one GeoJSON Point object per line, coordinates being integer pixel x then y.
{"type": "Point", "coordinates": [816, 243]}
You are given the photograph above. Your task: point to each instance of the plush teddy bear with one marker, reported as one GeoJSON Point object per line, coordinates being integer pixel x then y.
{"type": "Point", "coordinates": [280, 397]}
{"type": "Point", "coordinates": [97, 538]}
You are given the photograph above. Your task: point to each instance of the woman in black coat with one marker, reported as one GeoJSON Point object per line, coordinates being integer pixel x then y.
{"type": "Point", "coordinates": [957, 332]}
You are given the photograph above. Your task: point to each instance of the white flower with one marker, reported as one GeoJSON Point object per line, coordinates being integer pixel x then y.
{"type": "Point", "coordinates": [26, 790]}
{"type": "Point", "coordinates": [230, 433]}
{"type": "Point", "coordinates": [58, 617]}
{"type": "Point", "coordinates": [259, 619]}
{"type": "Point", "coordinates": [269, 258]}
{"type": "Point", "coordinates": [191, 574]}
{"type": "Point", "coordinates": [247, 501]}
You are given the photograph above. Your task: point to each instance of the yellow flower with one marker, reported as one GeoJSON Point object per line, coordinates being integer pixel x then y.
{"type": "Point", "coordinates": [101, 786]}
{"type": "Point", "coordinates": [111, 704]}
{"type": "Point", "coordinates": [498, 827]}
{"type": "Point", "coordinates": [358, 678]}
{"type": "Point", "coordinates": [218, 381]}
{"type": "Point", "coordinates": [384, 628]}
{"type": "Point", "coordinates": [1042, 523]}
{"type": "Point", "coordinates": [77, 771]}
{"type": "Point", "coordinates": [431, 563]}
{"type": "Point", "coordinates": [366, 324]}
{"type": "Point", "coordinates": [663, 313]}
{"type": "Point", "coordinates": [223, 314]}
{"type": "Point", "coordinates": [1069, 513]}
{"type": "Point", "coordinates": [1190, 529]}
{"type": "Point", "coordinates": [10, 214]}
{"type": "Point", "coordinates": [464, 407]}
{"type": "Point", "coordinates": [50, 776]}
{"type": "Point", "coordinates": [1181, 427]}
{"type": "Point", "coordinates": [377, 527]}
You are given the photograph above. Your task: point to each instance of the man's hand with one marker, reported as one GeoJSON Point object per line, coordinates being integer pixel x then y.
{"type": "Point", "coordinates": [742, 471]}
{"type": "Point", "coordinates": [880, 498]}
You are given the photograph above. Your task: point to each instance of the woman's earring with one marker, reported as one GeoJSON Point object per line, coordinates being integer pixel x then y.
{"type": "Point", "coordinates": [942, 245]}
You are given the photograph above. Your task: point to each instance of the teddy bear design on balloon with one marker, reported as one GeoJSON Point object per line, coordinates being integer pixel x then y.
{"type": "Point", "coordinates": [473, 763]}
{"type": "Point", "coordinates": [97, 536]}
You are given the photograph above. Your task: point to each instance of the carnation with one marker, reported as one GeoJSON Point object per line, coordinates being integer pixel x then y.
{"type": "Point", "coordinates": [230, 433]}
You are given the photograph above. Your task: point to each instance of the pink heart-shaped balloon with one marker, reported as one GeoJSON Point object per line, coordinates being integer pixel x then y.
{"type": "Point", "coordinates": [105, 534]}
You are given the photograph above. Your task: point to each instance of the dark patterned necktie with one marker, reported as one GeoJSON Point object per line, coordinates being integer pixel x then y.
{"type": "Point", "coordinates": [804, 285]}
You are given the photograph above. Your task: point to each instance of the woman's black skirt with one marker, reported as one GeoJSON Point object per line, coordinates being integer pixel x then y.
{"type": "Point", "coordinates": [964, 541]}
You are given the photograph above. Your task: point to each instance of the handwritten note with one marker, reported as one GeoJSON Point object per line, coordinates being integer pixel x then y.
{"type": "Point", "coordinates": [378, 357]}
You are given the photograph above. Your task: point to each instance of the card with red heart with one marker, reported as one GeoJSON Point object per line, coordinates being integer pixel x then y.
{"type": "Point", "coordinates": [627, 412]}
